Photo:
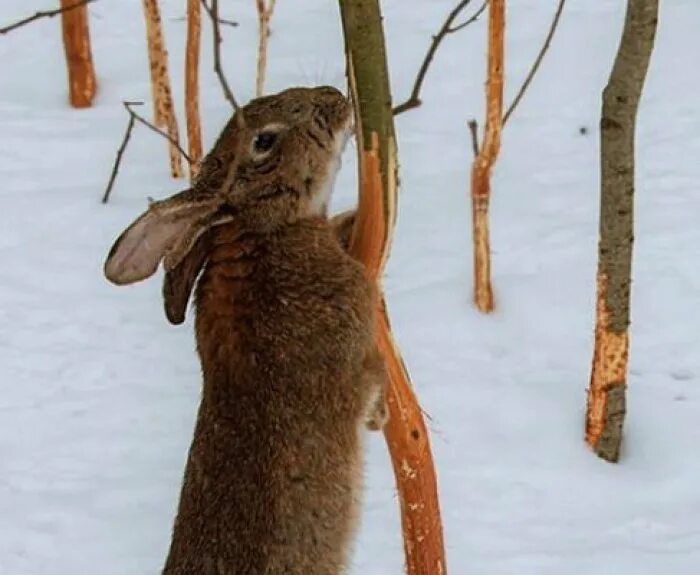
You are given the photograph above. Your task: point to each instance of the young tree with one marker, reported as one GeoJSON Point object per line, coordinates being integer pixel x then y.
{"type": "Point", "coordinates": [265, 10]}
{"type": "Point", "coordinates": [82, 82]}
{"type": "Point", "coordinates": [194, 130]}
{"type": "Point", "coordinates": [484, 161]}
{"type": "Point", "coordinates": [164, 114]}
{"type": "Point", "coordinates": [606, 394]}
{"type": "Point", "coordinates": [406, 433]}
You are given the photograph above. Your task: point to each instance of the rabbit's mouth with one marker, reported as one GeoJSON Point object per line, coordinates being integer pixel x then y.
{"type": "Point", "coordinates": [319, 203]}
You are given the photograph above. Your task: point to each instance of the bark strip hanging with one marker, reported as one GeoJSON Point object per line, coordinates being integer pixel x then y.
{"type": "Point", "coordinates": [406, 433]}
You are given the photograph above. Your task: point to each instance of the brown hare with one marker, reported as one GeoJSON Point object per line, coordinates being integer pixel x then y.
{"type": "Point", "coordinates": [284, 328]}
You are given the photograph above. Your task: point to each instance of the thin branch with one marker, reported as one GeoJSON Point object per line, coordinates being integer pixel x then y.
{"type": "Point", "coordinates": [157, 130]}
{"type": "Point", "coordinates": [536, 63]}
{"type": "Point", "coordinates": [43, 14]}
{"type": "Point", "coordinates": [118, 161]}
{"type": "Point", "coordinates": [223, 21]}
{"type": "Point", "coordinates": [133, 118]}
{"type": "Point", "coordinates": [213, 13]}
{"type": "Point", "coordinates": [474, 131]}
{"type": "Point", "coordinates": [232, 23]}
{"type": "Point", "coordinates": [471, 20]}
{"type": "Point", "coordinates": [414, 100]}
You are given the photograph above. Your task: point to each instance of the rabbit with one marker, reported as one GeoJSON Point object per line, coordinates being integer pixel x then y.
{"type": "Point", "coordinates": [284, 328]}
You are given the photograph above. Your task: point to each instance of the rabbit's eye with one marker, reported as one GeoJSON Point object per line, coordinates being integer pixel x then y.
{"type": "Point", "coordinates": [264, 141]}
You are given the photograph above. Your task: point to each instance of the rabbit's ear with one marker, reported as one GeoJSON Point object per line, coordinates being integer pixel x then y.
{"type": "Point", "coordinates": [167, 225]}
{"type": "Point", "coordinates": [179, 280]}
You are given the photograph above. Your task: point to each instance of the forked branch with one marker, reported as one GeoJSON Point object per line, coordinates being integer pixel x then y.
{"type": "Point", "coordinates": [414, 100]}
{"type": "Point", "coordinates": [133, 118]}
{"type": "Point", "coordinates": [213, 13]}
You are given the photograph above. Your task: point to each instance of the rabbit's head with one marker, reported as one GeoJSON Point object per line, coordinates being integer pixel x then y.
{"type": "Point", "coordinates": [274, 163]}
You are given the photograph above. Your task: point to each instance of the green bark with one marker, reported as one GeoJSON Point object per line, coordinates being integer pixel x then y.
{"type": "Point", "coordinates": [365, 47]}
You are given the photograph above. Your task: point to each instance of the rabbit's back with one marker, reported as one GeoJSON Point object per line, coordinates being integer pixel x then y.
{"type": "Point", "coordinates": [274, 470]}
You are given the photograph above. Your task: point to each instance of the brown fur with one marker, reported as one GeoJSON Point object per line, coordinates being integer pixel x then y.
{"type": "Point", "coordinates": [284, 328]}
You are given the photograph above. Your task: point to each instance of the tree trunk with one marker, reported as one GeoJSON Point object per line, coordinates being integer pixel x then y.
{"type": "Point", "coordinates": [82, 83]}
{"type": "Point", "coordinates": [606, 394]}
{"type": "Point", "coordinates": [265, 10]}
{"type": "Point", "coordinates": [406, 433]}
{"type": "Point", "coordinates": [164, 114]}
{"type": "Point", "coordinates": [194, 130]}
{"type": "Point", "coordinates": [481, 168]}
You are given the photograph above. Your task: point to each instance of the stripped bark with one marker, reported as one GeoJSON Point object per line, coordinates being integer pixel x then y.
{"type": "Point", "coordinates": [194, 129]}
{"type": "Point", "coordinates": [164, 113]}
{"type": "Point", "coordinates": [483, 163]}
{"type": "Point", "coordinates": [265, 10]}
{"type": "Point", "coordinates": [606, 394]}
{"type": "Point", "coordinates": [406, 433]}
{"type": "Point", "coordinates": [82, 82]}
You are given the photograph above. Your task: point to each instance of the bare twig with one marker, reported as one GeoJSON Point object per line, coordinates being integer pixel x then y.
{"type": "Point", "coordinates": [213, 13]}
{"type": "Point", "coordinates": [232, 23]}
{"type": "Point", "coordinates": [414, 100]}
{"type": "Point", "coordinates": [474, 131]}
{"type": "Point", "coordinates": [157, 130]}
{"type": "Point", "coordinates": [536, 63]}
{"type": "Point", "coordinates": [471, 20]}
{"type": "Point", "coordinates": [118, 161]}
{"type": "Point", "coordinates": [265, 10]}
{"type": "Point", "coordinates": [43, 14]}
{"type": "Point", "coordinates": [223, 21]}
{"type": "Point", "coordinates": [133, 118]}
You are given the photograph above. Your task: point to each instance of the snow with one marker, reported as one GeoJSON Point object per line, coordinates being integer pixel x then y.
{"type": "Point", "coordinates": [99, 392]}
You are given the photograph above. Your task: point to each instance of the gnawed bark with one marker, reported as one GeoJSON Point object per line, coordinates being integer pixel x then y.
{"type": "Point", "coordinates": [606, 395]}
{"type": "Point", "coordinates": [265, 11]}
{"type": "Point", "coordinates": [194, 129]}
{"type": "Point", "coordinates": [164, 113]}
{"type": "Point", "coordinates": [483, 163]}
{"type": "Point", "coordinates": [406, 433]}
{"type": "Point", "coordinates": [82, 82]}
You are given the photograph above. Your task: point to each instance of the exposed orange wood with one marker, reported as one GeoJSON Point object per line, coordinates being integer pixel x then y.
{"type": "Point", "coordinates": [164, 112]}
{"type": "Point", "coordinates": [483, 163]}
{"type": "Point", "coordinates": [265, 10]}
{"type": "Point", "coordinates": [406, 433]}
{"type": "Point", "coordinates": [609, 374]}
{"type": "Point", "coordinates": [82, 82]}
{"type": "Point", "coordinates": [194, 130]}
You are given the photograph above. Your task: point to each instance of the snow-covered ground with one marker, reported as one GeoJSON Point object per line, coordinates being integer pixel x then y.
{"type": "Point", "coordinates": [99, 393]}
